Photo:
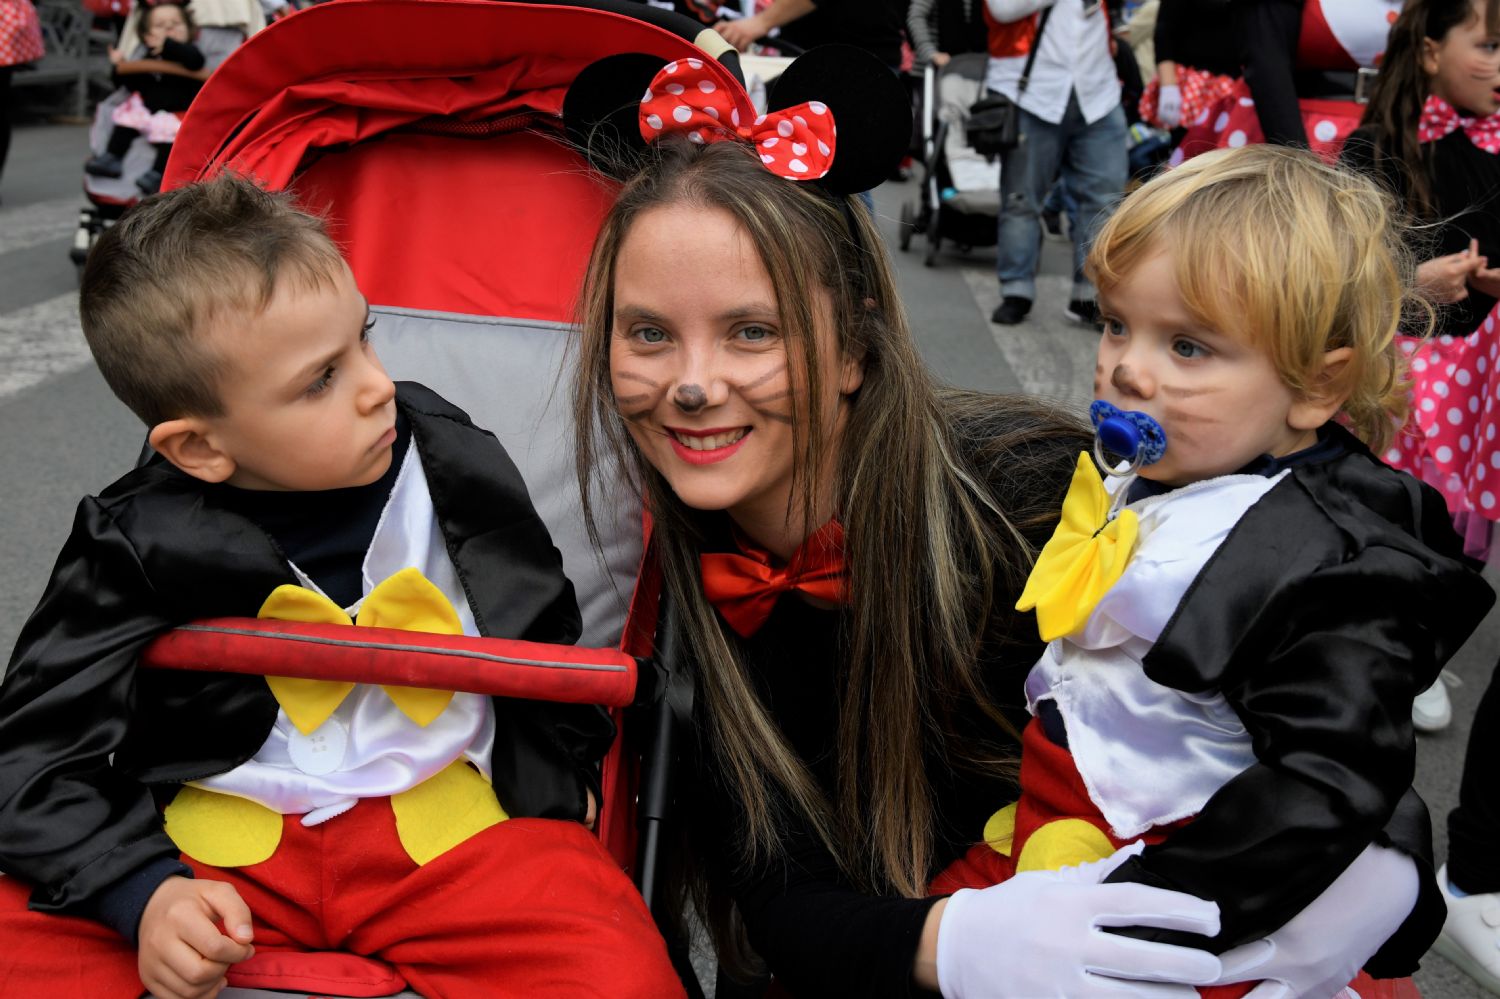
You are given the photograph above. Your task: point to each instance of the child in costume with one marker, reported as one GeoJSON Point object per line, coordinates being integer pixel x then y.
{"type": "Point", "coordinates": [442, 832]}
{"type": "Point", "coordinates": [1431, 133]}
{"type": "Point", "coordinates": [1228, 678]}
{"type": "Point", "coordinates": [162, 85]}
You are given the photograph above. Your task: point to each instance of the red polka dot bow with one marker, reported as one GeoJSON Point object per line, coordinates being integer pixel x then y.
{"type": "Point", "coordinates": [688, 98]}
{"type": "Point", "coordinates": [1440, 119]}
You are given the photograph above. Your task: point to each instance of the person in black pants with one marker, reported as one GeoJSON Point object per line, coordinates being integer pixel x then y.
{"type": "Point", "coordinates": [1471, 878]}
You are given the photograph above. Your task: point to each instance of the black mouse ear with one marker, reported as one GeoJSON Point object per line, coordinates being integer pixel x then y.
{"type": "Point", "coordinates": [871, 111]}
{"type": "Point", "coordinates": [601, 111]}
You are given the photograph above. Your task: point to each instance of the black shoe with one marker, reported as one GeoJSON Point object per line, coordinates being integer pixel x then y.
{"type": "Point", "coordinates": [1011, 311]}
{"type": "Point", "coordinates": [104, 165]}
{"type": "Point", "coordinates": [1053, 222]}
{"type": "Point", "coordinates": [1084, 311]}
{"type": "Point", "coordinates": [149, 182]}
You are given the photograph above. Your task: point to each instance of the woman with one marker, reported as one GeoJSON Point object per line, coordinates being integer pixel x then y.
{"type": "Point", "coordinates": [745, 354]}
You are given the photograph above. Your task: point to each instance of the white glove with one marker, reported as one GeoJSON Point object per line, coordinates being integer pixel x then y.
{"type": "Point", "coordinates": [1169, 105]}
{"type": "Point", "coordinates": [1323, 947]}
{"type": "Point", "coordinates": [1039, 934]}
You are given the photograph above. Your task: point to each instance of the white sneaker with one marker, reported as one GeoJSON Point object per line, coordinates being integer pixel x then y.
{"type": "Point", "coordinates": [1471, 934]}
{"type": "Point", "coordinates": [1431, 711]}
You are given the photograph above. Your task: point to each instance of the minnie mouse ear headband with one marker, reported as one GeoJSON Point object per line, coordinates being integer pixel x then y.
{"type": "Point", "coordinates": [836, 116]}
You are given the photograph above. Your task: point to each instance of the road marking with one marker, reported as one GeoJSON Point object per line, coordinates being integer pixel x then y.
{"type": "Point", "coordinates": [1051, 356]}
{"type": "Point", "coordinates": [40, 341]}
{"type": "Point", "coordinates": [42, 222]}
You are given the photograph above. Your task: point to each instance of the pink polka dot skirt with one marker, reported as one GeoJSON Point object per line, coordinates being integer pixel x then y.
{"type": "Point", "coordinates": [1451, 439]}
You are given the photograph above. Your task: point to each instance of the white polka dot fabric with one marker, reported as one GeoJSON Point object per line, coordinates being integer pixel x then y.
{"type": "Point", "coordinates": [1449, 440]}
{"type": "Point", "coordinates": [20, 33]}
{"type": "Point", "coordinates": [1439, 120]}
{"type": "Point", "coordinates": [708, 105]}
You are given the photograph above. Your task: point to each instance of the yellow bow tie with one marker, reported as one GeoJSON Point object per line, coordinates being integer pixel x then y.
{"type": "Point", "coordinates": [1085, 556]}
{"type": "Point", "coordinates": [406, 601]}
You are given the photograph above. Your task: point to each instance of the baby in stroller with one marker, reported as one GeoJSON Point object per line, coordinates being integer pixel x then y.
{"type": "Point", "coordinates": [443, 832]}
{"type": "Point", "coordinates": [161, 88]}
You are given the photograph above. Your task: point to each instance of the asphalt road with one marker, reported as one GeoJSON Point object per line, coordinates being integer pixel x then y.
{"type": "Point", "coordinates": [63, 435]}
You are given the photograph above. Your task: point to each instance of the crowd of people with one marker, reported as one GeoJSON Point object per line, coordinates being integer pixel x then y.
{"type": "Point", "coordinates": [987, 701]}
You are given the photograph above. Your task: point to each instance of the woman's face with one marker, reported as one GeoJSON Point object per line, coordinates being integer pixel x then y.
{"type": "Point", "coordinates": [699, 365]}
{"type": "Point", "coordinates": [1464, 67]}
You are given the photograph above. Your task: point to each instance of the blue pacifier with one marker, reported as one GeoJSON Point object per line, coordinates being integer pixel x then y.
{"type": "Point", "coordinates": [1131, 435]}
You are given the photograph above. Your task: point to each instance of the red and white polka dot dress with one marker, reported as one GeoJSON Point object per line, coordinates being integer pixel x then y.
{"type": "Point", "coordinates": [1200, 89]}
{"type": "Point", "coordinates": [20, 33]}
{"type": "Point", "coordinates": [1231, 122]}
{"type": "Point", "coordinates": [1451, 439]}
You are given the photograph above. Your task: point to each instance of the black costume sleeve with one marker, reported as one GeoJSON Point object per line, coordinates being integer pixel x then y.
{"type": "Point", "coordinates": [1270, 29]}
{"type": "Point", "coordinates": [72, 824]}
{"type": "Point", "coordinates": [1167, 39]}
{"type": "Point", "coordinates": [186, 54]}
{"type": "Point", "coordinates": [820, 935]}
{"type": "Point", "coordinates": [1323, 680]}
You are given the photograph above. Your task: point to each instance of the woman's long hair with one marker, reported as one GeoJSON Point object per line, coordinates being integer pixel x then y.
{"type": "Point", "coordinates": [928, 551]}
{"type": "Point", "coordinates": [1401, 90]}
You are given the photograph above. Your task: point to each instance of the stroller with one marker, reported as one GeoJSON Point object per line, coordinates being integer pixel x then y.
{"type": "Point", "coordinates": [431, 140]}
{"type": "Point", "coordinates": [959, 197]}
{"type": "Point", "coordinates": [109, 197]}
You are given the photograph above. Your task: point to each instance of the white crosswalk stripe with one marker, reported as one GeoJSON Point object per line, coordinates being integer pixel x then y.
{"type": "Point", "coordinates": [40, 341]}
{"type": "Point", "coordinates": [41, 222]}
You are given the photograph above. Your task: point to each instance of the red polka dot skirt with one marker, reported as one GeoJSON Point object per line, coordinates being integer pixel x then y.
{"type": "Point", "coordinates": [1200, 90]}
{"type": "Point", "coordinates": [1231, 121]}
{"type": "Point", "coordinates": [1451, 439]}
{"type": "Point", "coordinates": [20, 33]}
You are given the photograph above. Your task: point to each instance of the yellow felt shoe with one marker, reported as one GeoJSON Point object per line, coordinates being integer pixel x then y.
{"type": "Point", "coordinates": [444, 811]}
{"type": "Point", "coordinates": [1085, 557]}
{"type": "Point", "coordinates": [1063, 843]}
{"type": "Point", "coordinates": [1000, 831]}
{"type": "Point", "coordinates": [223, 830]}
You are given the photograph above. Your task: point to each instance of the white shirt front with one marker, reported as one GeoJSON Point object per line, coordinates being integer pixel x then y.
{"type": "Point", "coordinates": [1073, 57]}
{"type": "Point", "coordinates": [1149, 754]}
{"type": "Point", "coordinates": [367, 748]}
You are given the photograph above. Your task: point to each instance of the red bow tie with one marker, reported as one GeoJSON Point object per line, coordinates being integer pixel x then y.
{"type": "Point", "coordinates": [1439, 119]}
{"type": "Point", "coordinates": [744, 588]}
{"type": "Point", "coordinates": [709, 105]}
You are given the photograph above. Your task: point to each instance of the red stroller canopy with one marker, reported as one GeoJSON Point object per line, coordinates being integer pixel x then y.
{"type": "Point", "coordinates": [429, 131]}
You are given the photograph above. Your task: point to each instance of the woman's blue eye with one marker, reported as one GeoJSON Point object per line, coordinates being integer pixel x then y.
{"type": "Point", "coordinates": [650, 334]}
{"type": "Point", "coordinates": [1187, 348]}
{"type": "Point", "coordinates": [755, 334]}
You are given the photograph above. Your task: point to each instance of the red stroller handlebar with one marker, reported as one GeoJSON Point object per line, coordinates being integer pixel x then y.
{"type": "Point", "coordinates": [494, 666]}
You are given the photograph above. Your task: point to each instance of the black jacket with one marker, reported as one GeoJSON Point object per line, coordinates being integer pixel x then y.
{"type": "Point", "coordinates": [86, 737]}
{"type": "Point", "coordinates": [1336, 599]}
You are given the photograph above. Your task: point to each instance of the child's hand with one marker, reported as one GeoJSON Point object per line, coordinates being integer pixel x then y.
{"type": "Point", "coordinates": [115, 56]}
{"type": "Point", "coordinates": [1486, 280]}
{"type": "Point", "coordinates": [183, 955]}
{"type": "Point", "coordinates": [591, 814]}
{"type": "Point", "coordinates": [1445, 279]}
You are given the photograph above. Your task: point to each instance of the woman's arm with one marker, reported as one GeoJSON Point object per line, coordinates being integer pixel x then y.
{"type": "Point", "coordinates": [919, 30]}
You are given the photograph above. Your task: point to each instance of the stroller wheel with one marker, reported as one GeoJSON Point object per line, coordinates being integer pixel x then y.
{"type": "Point", "coordinates": [908, 225]}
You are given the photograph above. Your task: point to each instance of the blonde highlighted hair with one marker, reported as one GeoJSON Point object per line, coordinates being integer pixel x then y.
{"type": "Point", "coordinates": [1297, 256]}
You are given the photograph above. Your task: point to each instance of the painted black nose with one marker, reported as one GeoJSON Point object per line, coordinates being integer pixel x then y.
{"type": "Point", "coordinates": [690, 398]}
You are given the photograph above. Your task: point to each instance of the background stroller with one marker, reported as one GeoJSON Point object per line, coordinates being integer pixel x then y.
{"type": "Point", "coordinates": [959, 197]}
{"type": "Point", "coordinates": [223, 25]}
{"type": "Point", "coordinates": [432, 141]}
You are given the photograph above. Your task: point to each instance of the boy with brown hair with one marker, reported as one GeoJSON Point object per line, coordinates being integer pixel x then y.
{"type": "Point", "coordinates": [293, 480]}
